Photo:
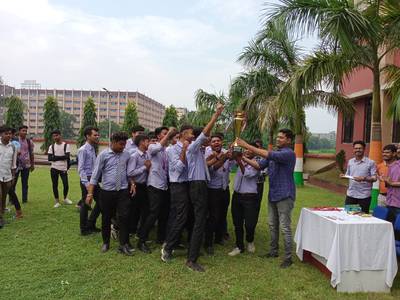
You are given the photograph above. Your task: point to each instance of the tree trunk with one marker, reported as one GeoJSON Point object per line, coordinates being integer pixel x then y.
{"type": "Point", "coordinates": [271, 140]}
{"type": "Point", "coordinates": [299, 151]}
{"type": "Point", "coordinates": [375, 146]}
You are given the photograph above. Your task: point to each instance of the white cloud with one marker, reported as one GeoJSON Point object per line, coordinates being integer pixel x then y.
{"type": "Point", "coordinates": [231, 9]}
{"type": "Point", "coordinates": [66, 48]}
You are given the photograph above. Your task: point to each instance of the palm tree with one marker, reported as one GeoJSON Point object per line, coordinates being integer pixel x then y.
{"type": "Point", "coordinates": [275, 57]}
{"type": "Point", "coordinates": [361, 33]}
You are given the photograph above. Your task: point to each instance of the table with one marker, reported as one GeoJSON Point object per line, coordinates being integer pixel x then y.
{"type": "Point", "coordinates": [359, 251]}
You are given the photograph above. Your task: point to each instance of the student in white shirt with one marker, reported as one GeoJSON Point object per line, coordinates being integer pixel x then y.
{"type": "Point", "coordinates": [59, 155]}
{"type": "Point", "coordinates": [8, 165]}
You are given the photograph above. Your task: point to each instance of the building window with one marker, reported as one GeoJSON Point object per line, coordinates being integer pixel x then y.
{"type": "Point", "coordinates": [348, 128]}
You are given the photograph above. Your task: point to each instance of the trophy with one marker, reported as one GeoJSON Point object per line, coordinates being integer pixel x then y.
{"type": "Point", "coordinates": [239, 122]}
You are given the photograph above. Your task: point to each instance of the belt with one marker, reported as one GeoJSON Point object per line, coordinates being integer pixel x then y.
{"type": "Point", "coordinates": [383, 194]}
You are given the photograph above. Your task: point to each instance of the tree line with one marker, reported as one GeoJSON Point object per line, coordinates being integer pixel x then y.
{"type": "Point", "coordinates": [56, 118]}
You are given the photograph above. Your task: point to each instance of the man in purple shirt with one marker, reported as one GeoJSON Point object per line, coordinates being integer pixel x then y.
{"type": "Point", "coordinates": [282, 190]}
{"type": "Point", "coordinates": [392, 182]}
{"type": "Point", "coordinates": [245, 201]}
{"type": "Point", "coordinates": [138, 170]}
{"type": "Point", "coordinates": [26, 160]}
{"type": "Point", "coordinates": [188, 165]}
{"type": "Point", "coordinates": [86, 161]}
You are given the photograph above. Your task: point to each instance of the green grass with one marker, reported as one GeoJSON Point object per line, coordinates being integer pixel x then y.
{"type": "Point", "coordinates": [322, 151]}
{"type": "Point", "coordinates": [43, 256]}
{"type": "Point", "coordinates": [332, 176]}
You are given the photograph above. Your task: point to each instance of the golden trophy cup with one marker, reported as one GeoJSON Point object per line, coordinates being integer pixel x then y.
{"type": "Point", "coordinates": [239, 122]}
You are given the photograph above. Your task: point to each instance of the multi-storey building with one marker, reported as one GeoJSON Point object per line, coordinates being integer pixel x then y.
{"type": "Point", "coordinates": [109, 105]}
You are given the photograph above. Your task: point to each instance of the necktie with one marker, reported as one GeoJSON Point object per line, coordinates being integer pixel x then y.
{"type": "Point", "coordinates": [118, 175]}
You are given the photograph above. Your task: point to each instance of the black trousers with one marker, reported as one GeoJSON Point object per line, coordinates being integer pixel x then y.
{"type": "Point", "coordinates": [54, 173]}
{"type": "Point", "coordinates": [364, 203]}
{"type": "Point", "coordinates": [215, 200]}
{"type": "Point", "coordinates": [222, 228]}
{"type": "Point", "coordinates": [244, 212]}
{"type": "Point", "coordinates": [158, 210]}
{"type": "Point", "coordinates": [13, 196]}
{"type": "Point", "coordinates": [24, 182]}
{"type": "Point", "coordinates": [198, 199]}
{"type": "Point", "coordinates": [139, 208]}
{"type": "Point", "coordinates": [111, 203]}
{"type": "Point", "coordinates": [85, 222]}
{"type": "Point", "coordinates": [179, 208]}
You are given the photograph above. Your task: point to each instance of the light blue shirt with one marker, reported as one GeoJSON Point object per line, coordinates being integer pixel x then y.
{"type": "Point", "coordinates": [111, 168]}
{"type": "Point", "coordinates": [177, 170]}
{"type": "Point", "coordinates": [136, 167]}
{"type": "Point", "coordinates": [131, 146]}
{"type": "Point", "coordinates": [196, 161]}
{"type": "Point", "coordinates": [247, 182]}
{"type": "Point", "coordinates": [363, 167]}
{"type": "Point", "coordinates": [219, 179]}
{"type": "Point", "coordinates": [86, 162]}
{"type": "Point", "coordinates": [158, 176]}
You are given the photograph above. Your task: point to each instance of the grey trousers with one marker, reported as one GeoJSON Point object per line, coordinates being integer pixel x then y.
{"type": "Point", "coordinates": [280, 215]}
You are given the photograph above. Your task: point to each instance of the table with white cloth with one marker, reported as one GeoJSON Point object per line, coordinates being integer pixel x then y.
{"type": "Point", "coordinates": [358, 251]}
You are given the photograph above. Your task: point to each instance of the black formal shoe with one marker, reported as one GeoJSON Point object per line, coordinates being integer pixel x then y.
{"type": "Point", "coordinates": [194, 266]}
{"type": "Point", "coordinates": [210, 250]}
{"type": "Point", "coordinates": [286, 263]}
{"type": "Point", "coordinates": [86, 232]}
{"type": "Point", "coordinates": [143, 247]}
{"type": "Point", "coordinates": [166, 255]}
{"type": "Point", "coordinates": [125, 250]}
{"type": "Point", "coordinates": [180, 247]}
{"type": "Point", "coordinates": [105, 248]}
{"type": "Point", "coordinates": [130, 247]}
{"type": "Point", "coordinates": [269, 255]}
{"type": "Point", "coordinates": [94, 229]}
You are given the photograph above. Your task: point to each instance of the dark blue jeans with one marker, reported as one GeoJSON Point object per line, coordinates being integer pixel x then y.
{"type": "Point", "coordinates": [24, 182]}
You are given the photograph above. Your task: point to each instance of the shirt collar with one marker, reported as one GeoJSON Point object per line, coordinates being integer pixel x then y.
{"type": "Point", "coordinates": [140, 152]}
{"type": "Point", "coordinates": [9, 143]}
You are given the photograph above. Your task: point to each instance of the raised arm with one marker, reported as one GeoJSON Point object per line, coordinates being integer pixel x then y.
{"type": "Point", "coordinates": [214, 118]}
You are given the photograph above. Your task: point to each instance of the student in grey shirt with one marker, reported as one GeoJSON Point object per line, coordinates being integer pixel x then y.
{"type": "Point", "coordinates": [138, 170]}
{"type": "Point", "coordinates": [111, 167]}
{"type": "Point", "coordinates": [157, 188]}
{"type": "Point", "coordinates": [363, 173]}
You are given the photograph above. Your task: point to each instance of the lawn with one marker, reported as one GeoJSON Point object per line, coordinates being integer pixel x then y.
{"type": "Point", "coordinates": [43, 256]}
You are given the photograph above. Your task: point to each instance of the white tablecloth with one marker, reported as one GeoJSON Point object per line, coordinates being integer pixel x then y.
{"type": "Point", "coordinates": [348, 243]}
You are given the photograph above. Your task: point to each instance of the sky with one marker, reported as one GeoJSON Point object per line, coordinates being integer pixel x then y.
{"type": "Point", "coordinates": [163, 49]}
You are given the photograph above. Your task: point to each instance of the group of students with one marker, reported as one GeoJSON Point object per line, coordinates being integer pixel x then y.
{"type": "Point", "coordinates": [17, 160]}
{"type": "Point", "coordinates": [179, 180]}
{"type": "Point", "coordinates": [176, 180]}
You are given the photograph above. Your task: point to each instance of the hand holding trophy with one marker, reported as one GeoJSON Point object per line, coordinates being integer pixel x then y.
{"type": "Point", "coordinates": [239, 123]}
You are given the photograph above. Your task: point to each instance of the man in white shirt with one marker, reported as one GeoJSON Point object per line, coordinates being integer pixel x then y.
{"type": "Point", "coordinates": [8, 165]}
{"type": "Point", "coordinates": [59, 155]}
